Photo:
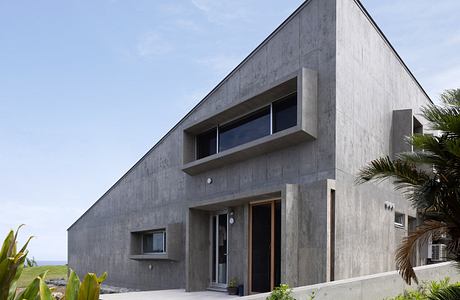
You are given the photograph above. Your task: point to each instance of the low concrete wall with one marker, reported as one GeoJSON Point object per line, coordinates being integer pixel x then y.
{"type": "Point", "coordinates": [378, 286]}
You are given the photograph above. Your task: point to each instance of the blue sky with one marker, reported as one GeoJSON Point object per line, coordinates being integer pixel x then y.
{"type": "Point", "coordinates": [87, 87]}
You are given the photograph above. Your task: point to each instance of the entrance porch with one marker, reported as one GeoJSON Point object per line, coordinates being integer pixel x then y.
{"type": "Point", "coordinates": [249, 239]}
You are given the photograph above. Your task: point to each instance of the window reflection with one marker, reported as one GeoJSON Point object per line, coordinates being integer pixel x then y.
{"type": "Point", "coordinates": [249, 128]}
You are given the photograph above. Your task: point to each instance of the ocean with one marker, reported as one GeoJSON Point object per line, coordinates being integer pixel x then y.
{"type": "Point", "coordinates": [51, 262]}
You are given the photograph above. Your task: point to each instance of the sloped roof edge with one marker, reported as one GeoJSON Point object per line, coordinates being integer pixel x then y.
{"type": "Point", "coordinates": [288, 19]}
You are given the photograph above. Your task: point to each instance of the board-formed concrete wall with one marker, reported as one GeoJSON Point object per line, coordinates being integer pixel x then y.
{"type": "Point", "coordinates": [372, 287]}
{"type": "Point", "coordinates": [156, 191]}
{"type": "Point", "coordinates": [372, 82]}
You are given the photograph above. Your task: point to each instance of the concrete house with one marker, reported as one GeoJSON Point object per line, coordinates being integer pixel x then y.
{"type": "Point", "coordinates": [256, 182]}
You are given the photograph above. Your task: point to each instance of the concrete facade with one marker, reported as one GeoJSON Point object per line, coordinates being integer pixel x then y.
{"type": "Point", "coordinates": [349, 81]}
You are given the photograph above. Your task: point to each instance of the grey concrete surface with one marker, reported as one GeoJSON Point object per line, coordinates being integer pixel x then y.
{"type": "Point", "coordinates": [402, 127]}
{"type": "Point", "coordinates": [371, 84]}
{"type": "Point", "coordinates": [371, 287]}
{"type": "Point", "coordinates": [177, 294]}
{"type": "Point", "coordinates": [359, 80]}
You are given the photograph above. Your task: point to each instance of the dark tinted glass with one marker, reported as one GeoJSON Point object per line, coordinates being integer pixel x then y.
{"type": "Point", "coordinates": [206, 143]}
{"type": "Point", "coordinates": [147, 243]}
{"type": "Point", "coordinates": [214, 246]}
{"type": "Point", "coordinates": [285, 113]}
{"type": "Point", "coordinates": [222, 249]}
{"type": "Point", "coordinates": [277, 243]}
{"type": "Point", "coordinates": [246, 129]}
{"type": "Point", "coordinates": [159, 242]}
{"type": "Point", "coordinates": [261, 242]}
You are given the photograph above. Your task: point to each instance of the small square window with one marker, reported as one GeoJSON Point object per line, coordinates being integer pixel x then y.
{"type": "Point", "coordinates": [154, 242]}
{"type": "Point", "coordinates": [400, 219]}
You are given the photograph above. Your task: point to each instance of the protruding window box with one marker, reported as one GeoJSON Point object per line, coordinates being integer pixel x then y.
{"type": "Point", "coordinates": [156, 242]}
{"type": "Point", "coordinates": [404, 125]}
{"type": "Point", "coordinates": [284, 114]}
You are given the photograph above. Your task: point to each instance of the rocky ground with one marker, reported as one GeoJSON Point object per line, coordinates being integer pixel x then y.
{"type": "Point", "coordinates": [59, 285]}
{"type": "Point", "coordinates": [58, 288]}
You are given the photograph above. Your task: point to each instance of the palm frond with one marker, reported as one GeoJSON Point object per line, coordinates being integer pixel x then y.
{"type": "Point", "coordinates": [429, 143]}
{"type": "Point", "coordinates": [430, 178]}
{"type": "Point", "coordinates": [453, 146]}
{"type": "Point", "coordinates": [423, 196]}
{"type": "Point", "coordinates": [407, 248]}
{"type": "Point", "coordinates": [405, 174]}
{"type": "Point", "coordinates": [451, 97]}
{"type": "Point", "coordinates": [444, 118]}
{"type": "Point", "coordinates": [420, 157]}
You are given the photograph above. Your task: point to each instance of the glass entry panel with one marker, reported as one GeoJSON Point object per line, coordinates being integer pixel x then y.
{"type": "Point", "coordinates": [219, 250]}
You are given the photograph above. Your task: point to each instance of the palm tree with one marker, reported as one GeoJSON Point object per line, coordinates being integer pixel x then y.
{"type": "Point", "coordinates": [429, 177]}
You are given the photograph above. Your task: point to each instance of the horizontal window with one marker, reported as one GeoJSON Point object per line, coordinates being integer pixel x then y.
{"type": "Point", "coordinates": [276, 117]}
{"type": "Point", "coordinates": [249, 128]}
{"type": "Point", "coordinates": [154, 242]}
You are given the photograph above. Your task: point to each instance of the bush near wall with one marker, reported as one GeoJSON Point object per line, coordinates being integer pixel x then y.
{"type": "Point", "coordinates": [432, 290]}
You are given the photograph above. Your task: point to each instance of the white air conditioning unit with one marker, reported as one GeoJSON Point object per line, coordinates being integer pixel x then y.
{"type": "Point", "coordinates": [438, 252]}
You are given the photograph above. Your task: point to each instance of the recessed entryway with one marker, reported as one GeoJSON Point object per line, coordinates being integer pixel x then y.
{"type": "Point", "coordinates": [264, 246]}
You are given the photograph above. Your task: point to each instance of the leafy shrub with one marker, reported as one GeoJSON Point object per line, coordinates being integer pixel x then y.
{"type": "Point", "coordinates": [233, 282]}
{"type": "Point", "coordinates": [282, 292]}
{"type": "Point", "coordinates": [432, 290]}
{"type": "Point", "coordinates": [11, 265]}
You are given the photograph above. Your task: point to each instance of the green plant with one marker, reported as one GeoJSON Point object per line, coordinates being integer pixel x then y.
{"type": "Point", "coordinates": [451, 292]}
{"type": "Point", "coordinates": [282, 292]}
{"type": "Point", "coordinates": [12, 265]}
{"type": "Point", "coordinates": [87, 290]}
{"type": "Point", "coordinates": [433, 287]}
{"type": "Point", "coordinates": [432, 290]}
{"type": "Point", "coordinates": [233, 282]}
{"type": "Point", "coordinates": [443, 290]}
{"type": "Point", "coordinates": [53, 272]}
{"type": "Point", "coordinates": [75, 290]}
{"type": "Point", "coordinates": [429, 177]}
{"type": "Point", "coordinates": [30, 262]}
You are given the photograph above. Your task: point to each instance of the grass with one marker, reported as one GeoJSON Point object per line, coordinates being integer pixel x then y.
{"type": "Point", "coordinates": [54, 272]}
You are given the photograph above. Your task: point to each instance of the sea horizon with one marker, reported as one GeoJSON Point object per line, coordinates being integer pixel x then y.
{"type": "Point", "coordinates": [51, 262]}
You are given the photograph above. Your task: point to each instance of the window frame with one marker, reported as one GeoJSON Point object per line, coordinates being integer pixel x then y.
{"type": "Point", "coordinates": [400, 224]}
{"type": "Point", "coordinates": [163, 232]}
{"type": "Point", "coordinates": [274, 111]}
{"type": "Point", "coordinates": [247, 115]}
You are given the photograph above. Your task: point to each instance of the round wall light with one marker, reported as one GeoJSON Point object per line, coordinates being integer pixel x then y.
{"type": "Point", "coordinates": [231, 220]}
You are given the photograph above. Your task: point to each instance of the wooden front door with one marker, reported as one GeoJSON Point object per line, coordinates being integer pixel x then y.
{"type": "Point", "coordinates": [264, 246]}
